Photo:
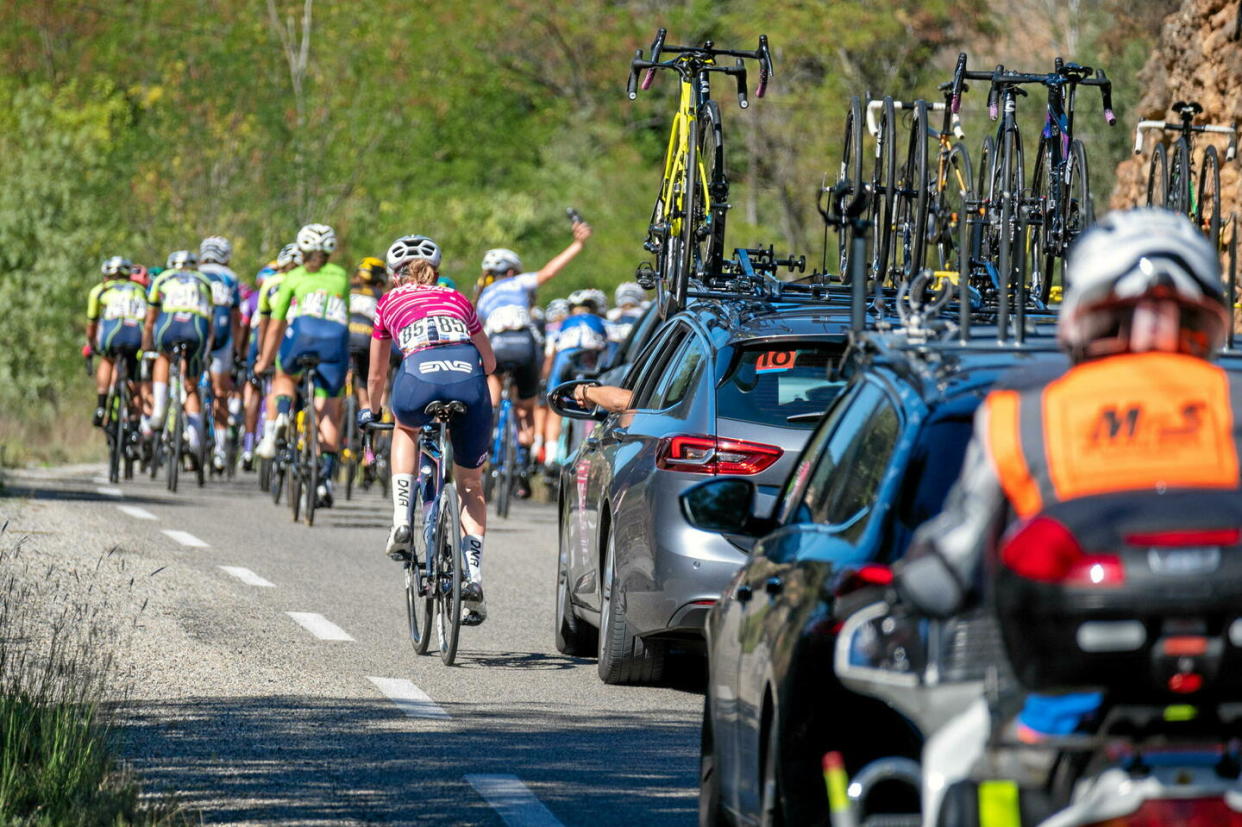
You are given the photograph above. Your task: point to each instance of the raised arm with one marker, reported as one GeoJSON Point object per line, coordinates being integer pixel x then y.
{"type": "Point", "coordinates": [582, 231]}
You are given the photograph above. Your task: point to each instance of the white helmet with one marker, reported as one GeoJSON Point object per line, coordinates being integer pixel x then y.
{"type": "Point", "coordinates": [557, 309]}
{"type": "Point", "coordinates": [315, 238]}
{"type": "Point", "coordinates": [289, 254]}
{"type": "Point", "coordinates": [1141, 280]}
{"type": "Point", "coordinates": [501, 261]}
{"type": "Point", "coordinates": [215, 248]}
{"type": "Point", "coordinates": [586, 298]}
{"type": "Point", "coordinates": [409, 248]}
{"type": "Point", "coordinates": [181, 259]}
{"type": "Point", "coordinates": [601, 298]}
{"type": "Point", "coordinates": [628, 292]}
{"type": "Point", "coordinates": [117, 266]}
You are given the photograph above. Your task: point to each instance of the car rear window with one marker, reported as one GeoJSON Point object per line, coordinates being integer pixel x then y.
{"type": "Point", "coordinates": [770, 383]}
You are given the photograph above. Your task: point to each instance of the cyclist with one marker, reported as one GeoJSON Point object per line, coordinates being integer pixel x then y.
{"type": "Point", "coordinates": [252, 396]}
{"type": "Point", "coordinates": [445, 357]}
{"type": "Point", "coordinates": [181, 311]}
{"type": "Point", "coordinates": [287, 259]}
{"type": "Point", "coordinates": [582, 336]}
{"type": "Point", "coordinates": [504, 309]}
{"type": "Point", "coordinates": [213, 255]}
{"type": "Point", "coordinates": [314, 298]}
{"type": "Point", "coordinates": [629, 298]}
{"type": "Point", "coordinates": [1142, 421]}
{"type": "Point", "coordinates": [365, 289]}
{"type": "Point", "coordinates": [115, 311]}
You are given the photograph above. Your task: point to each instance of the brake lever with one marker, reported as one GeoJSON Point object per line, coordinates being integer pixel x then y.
{"type": "Point", "coordinates": [1106, 92]}
{"type": "Point", "coordinates": [657, 45]}
{"type": "Point", "coordinates": [631, 85]}
{"type": "Point", "coordinates": [765, 66]}
{"type": "Point", "coordinates": [959, 78]}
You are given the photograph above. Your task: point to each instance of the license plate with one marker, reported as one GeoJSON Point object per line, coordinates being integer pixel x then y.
{"type": "Point", "coordinates": [1183, 561]}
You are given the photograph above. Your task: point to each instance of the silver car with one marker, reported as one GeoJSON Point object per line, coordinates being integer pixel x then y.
{"type": "Point", "coordinates": [722, 388]}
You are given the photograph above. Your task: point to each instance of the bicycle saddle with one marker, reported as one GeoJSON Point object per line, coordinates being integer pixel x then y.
{"type": "Point", "coordinates": [1192, 107]}
{"type": "Point", "coordinates": [444, 410]}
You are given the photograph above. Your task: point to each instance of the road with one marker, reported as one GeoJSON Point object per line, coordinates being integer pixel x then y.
{"type": "Point", "coordinates": [240, 701]}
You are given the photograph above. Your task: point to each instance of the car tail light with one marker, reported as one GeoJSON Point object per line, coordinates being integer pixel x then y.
{"type": "Point", "coordinates": [1186, 812]}
{"type": "Point", "coordinates": [1173, 539]}
{"type": "Point", "coordinates": [872, 574]}
{"type": "Point", "coordinates": [715, 455]}
{"type": "Point", "coordinates": [1045, 550]}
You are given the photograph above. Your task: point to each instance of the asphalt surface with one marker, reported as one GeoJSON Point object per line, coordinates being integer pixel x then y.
{"type": "Point", "coordinates": [250, 717]}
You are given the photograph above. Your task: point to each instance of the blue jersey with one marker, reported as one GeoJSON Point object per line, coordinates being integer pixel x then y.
{"type": "Point", "coordinates": [584, 331]}
{"type": "Point", "coordinates": [226, 297]}
{"type": "Point", "coordinates": [505, 304]}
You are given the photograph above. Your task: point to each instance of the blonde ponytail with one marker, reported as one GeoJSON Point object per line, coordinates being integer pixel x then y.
{"type": "Point", "coordinates": [419, 271]}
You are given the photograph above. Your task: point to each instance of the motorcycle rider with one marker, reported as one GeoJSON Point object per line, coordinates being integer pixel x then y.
{"type": "Point", "coordinates": [1142, 414]}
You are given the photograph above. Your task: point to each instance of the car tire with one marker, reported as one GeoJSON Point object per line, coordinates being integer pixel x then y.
{"type": "Point", "coordinates": [573, 637]}
{"type": "Point", "coordinates": [771, 813]}
{"type": "Point", "coordinates": [711, 813]}
{"type": "Point", "coordinates": [624, 657]}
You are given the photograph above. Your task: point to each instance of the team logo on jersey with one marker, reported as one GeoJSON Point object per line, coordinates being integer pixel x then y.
{"type": "Point", "coordinates": [441, 365]}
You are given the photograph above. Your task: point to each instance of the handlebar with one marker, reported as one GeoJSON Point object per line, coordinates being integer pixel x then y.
{"type": "Point", "coordinates": [378, 426]}
{"type": "Point", "coordinates": [1165, 126]}
{"type": "Point", "coordinates": [1072, 73]}
{"type": "Point", "coordinates": [875, 105]}
{"type": "Point", "coordinates": [706, 52]}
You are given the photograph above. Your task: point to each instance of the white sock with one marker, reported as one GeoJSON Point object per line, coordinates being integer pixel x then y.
{"type": "Point", "coordinates": [269, 429]}
{"type": "Point", "coordinates": [161, 402]}
{"type": "Point", "coordinates": [402, 490]}
{"type": "Point", "coordinates": [472, 544]}
{"type": "Point", "coordinates": [144, 425]}
{"type": "Point", "coordinates": [196, 430]}
{"type": "Point", "coordinates": [235, 405]}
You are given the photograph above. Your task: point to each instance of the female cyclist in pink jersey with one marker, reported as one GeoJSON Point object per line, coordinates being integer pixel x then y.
{"type": "Point", "coordinates": [445, 357]}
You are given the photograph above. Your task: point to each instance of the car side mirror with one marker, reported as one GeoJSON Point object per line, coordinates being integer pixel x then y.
{"type": "Point", "coordinates": [561, 400]}
{"type": "Point", "coordinates": [724, 505]}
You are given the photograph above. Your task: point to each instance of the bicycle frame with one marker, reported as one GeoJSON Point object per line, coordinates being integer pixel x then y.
{"type": "Point", "coordinates": [670, 209]}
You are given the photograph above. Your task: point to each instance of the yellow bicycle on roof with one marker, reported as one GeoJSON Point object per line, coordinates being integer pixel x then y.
{"type": "Point", "coordinates": [687, 228]}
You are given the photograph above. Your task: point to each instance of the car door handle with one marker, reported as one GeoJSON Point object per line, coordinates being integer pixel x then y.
{"type": "Point", "coordinates": [773, 585]}
{"type": "Point", "coordinates": [743, 593]}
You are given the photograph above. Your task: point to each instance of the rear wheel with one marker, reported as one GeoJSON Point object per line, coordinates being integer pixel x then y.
{"type": "Point", "coordinates": [883, 180]}
{"type": "Point", "coordinates": [1179, 178]}
{"type": "Point", "coordinates": [310, 456]}
{"type": "Point", "coordinates": [349, 468]}
{"type": "Point", "coordinates": [1207, 203]}
{"type": "Point", "coordinates": [507, 477]}
{"type": "Point", "coordinates": [953, 196]}
{"type": "Point", "coordinates": [910, 223]}
{"type": "Point", "coordinates": [421, 580]}
{"type": "Point", "coordinates": [178, 438]}
{"type": "Point", "coordinates": [1010, 228]}
{"type": "Point", "coordinates": [624, 657]}
{"type": "Point", "coordinates": [265, 474]}
{"type": "Point", "coordinates": [1158, 177]}
{"type": "Point", "coordinates": [572, 636]}
{"type": "Point", "coordinates": [453, 562]}
{"type": "Point", "coordinates": [115, 433]}
{"type": "Point", "coordinates": [849, 176]}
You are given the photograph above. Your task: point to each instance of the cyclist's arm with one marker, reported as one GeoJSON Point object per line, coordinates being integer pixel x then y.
{"type": "Point", "coordinates": [486, 354]}
{"type": "Point", "coordinates": [148, 327]}
{"type": "Point", "coordinates": [92, 314]}
{"type": "Point", "coordinates": [279, 305]}
{"type": "Point", "coordinates": [582, 231]}
{"type": "Point", "coordinates": [377, 380]}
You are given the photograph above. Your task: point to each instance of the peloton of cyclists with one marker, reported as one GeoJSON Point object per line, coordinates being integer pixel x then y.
{"type": "Point", "coordinates": [309, 317]}
{"type": "Point", "coordinates": [446, 356]}
{"type": "Point", "coordinates": [504, 308]}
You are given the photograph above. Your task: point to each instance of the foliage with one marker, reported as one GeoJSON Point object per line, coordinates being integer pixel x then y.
{"type": "Point", "coordinates": [138, 128]}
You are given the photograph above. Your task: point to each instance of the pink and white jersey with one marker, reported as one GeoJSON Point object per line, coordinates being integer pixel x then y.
{"type": "Point", "coordinates": [422, 316]}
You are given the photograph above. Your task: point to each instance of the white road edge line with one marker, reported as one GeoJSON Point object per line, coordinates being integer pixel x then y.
{"type": "Point", "coordinates": [319, 626]}
{"type": "Point", "coordinates": [248, 577]}
{"type": "Point", "coordinates": [185, 538]}
{"type": "Point", "coordinates": [135, 511]}
{"type": "Point", "coordinates": [512, 801]}
{"type": "Point", "coordinates": [100, 480]}
{"type": "Point", "coordinates": [109, 491]}
{"type": "Point", "coordinates": [407, 697]}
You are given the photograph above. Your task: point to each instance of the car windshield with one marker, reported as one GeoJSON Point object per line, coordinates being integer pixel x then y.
{"type": "Point", "coordinates": [784, 384]}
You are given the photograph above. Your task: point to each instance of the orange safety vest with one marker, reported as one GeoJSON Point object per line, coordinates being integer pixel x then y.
{"type": "Point", "coordinates": [1145, 422]}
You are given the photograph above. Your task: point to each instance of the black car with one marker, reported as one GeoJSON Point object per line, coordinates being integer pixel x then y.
{"type": "Point", "coordinates": [879, 465]}
{"type": "Point", "coordinates": [724, 387]}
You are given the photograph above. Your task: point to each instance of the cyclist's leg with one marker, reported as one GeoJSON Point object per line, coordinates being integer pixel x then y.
{"type": "Point", "coordinates": [103, 381]}
{"type": "Point", "coordinates": [191, 372]}
{"type": "Point", "coordinates": [221, 369]}
{"type": "Point", "coordinates": [331, 345]}
{"type": "Point", "coordinates": [284, 387]}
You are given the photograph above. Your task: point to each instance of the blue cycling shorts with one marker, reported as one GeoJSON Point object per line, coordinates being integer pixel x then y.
{"type": "Point", "coordinates": [449, 373]}
{"type": "Point", "coordinates": [175, 328]}
{"type": "Point", "coordinates": [116, 338]}
{"type": "Point", "coordinates": [325, 340]}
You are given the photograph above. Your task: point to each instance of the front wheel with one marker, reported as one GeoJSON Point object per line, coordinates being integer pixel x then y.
{"type": "Point", "coordinates": [1158, 177]}
{"type": "Point", "coordinates": [624, 657]}
{"type": "Point", "coordinates": [1207, 203]}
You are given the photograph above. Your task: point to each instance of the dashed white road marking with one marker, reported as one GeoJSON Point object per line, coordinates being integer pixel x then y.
{"type": "Point", "coordinates": [411, 700]}
{"type": "Point", "coordinates": [100, 480]}
{"type": "Point", "coordinates": [109, 491]}
{"type": "Point", "coordinates": [135, 511]}
{"type": "Point", "coordinates": [512, 801]}
{"type": "Point", "coordinates": [185, 538]}
{"type": "Point", "coordinates": [319, 626]}
{"type": "Point", "coordinates": [248, 577]}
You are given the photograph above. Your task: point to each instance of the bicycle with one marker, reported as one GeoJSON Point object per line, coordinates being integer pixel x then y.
{"type": "Point", "coordinates": [303, 468]}
{"type": "Point", "coordinates": [1060, 205]}
{"type": "Point", "coordinates": [502, 472]}
{"type": "Point", "coordinates": [119, 427]}
{"type": "Point", "coordinates": [433, 588]}
{"type": "Point", "coordinates": [171, 446]}
{"type": "Point", "coordinates": [687, 228]}
{"type": "Point", "coordinates": [1171, 183]}
{"type": "Point", "coordinates": [926, 207]}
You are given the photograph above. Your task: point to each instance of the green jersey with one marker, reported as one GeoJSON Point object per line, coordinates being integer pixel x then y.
{"type": "Point", "coordinates": [184, 292]}
{"type": "Point", "coordinates": [116, 300]}
{"type": "Point", "coordinates": [323, 294]}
